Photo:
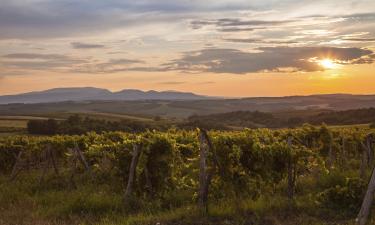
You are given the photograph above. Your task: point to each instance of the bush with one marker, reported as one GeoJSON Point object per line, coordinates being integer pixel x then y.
{"type": "Point", "coordinates": [344, 197]}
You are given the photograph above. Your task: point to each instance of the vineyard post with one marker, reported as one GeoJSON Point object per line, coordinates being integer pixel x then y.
{"type": "Point", "coordinates": [77, 155]}
{"type": "Point", "coordinates": [47, 162]}
{"type": "Point", "coordinates": [204, 177]}
{"type": "Point", "coordinates": [15, 169]}
{"type": "Point", "coordinates": [344, 153]}
{"type": "Point", "coordinates": [49, 157]}
{"type": "Point", "coordinates": [370, 152]}
{"type": "Point", "coordinates": [81, 158]}
{"type": "Point", "coordinates": [148, 180]}
{"type": "Point", "coordinates": [51, 153]}
{"type": "Point", "coordinates": [367, 201]}
{"type": "Point", "coordinates": [73, 166]}
{"type": "Point", "coordinates": [132, 170]}
{"type": "Point", "coordinates": [290, 170]}
{"type": "Point", "coordinates": [330, 154]}
{"type": "Point", "coordinates": [362, 169]}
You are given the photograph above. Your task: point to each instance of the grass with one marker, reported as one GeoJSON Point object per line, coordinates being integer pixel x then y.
{"type": "Point", "coordinates": [55, 202]}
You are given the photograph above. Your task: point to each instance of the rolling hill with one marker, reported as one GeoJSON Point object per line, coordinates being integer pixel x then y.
{"type": "Point", "coordinates": [171, 104]}
{"type": "Point", "coordinates": [90, 93]}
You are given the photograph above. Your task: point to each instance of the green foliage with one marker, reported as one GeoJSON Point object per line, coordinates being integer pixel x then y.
{"type": "Point", "coordinates": [248, 167]}
{"type": "Point", "coordinates": [256, 119]}
{"type": "Point", "coordinates": [347, 196]}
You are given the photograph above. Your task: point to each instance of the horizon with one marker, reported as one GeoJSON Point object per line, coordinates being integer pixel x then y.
{"type": "Point", "coordinates": [217, 48]}
{"type": "Point", "coordinates": [150, 90]}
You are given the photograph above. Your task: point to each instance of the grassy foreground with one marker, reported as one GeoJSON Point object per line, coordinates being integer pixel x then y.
{"type": "Point", "coordinates": [54, 202]}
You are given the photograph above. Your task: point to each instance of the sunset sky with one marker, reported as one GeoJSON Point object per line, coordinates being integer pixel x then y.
{"type": "Point", "coordinates": [211, 47]}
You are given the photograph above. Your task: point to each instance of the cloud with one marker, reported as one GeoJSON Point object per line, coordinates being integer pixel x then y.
{"type": "Point", "coordinates": [359, 39]}
{"type": "Point", "coordinates": [111, 66]}
{"type": "Point", "coordinates": [35, 56]}
{"type": "Point", "coordinates": [80, 45]}
{"type": "Point", "coordinates": [23, 19]}
{"type": "Point", "coordinates": [35, 61]}
{"type": "Point", "coordinates": [237, 25]}
{"type": "Point", "coordinates": [259, 41]}
{"type": "Point", "coordinates": [267, 59]}
{"type": "Point", "coordinates": [64, 63]}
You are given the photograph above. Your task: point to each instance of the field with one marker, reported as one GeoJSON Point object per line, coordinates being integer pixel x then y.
{"type": "Point", "coordinates": [13, 125]}
{"type": "Point", "coordinates": [308, 175]}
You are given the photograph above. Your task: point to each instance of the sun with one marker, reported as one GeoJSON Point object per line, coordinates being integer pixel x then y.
{"type": "Point", "coordinates": [327, 63]}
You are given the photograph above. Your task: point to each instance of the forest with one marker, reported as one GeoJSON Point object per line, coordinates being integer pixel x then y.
{"type": "Point", "coordinates": [306, 175]}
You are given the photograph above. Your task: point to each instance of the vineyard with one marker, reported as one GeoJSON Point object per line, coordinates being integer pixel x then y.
{"type": "Point", "coordinates": [307, 175]}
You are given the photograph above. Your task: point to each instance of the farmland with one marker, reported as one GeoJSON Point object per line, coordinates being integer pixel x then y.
{"type": "Point", "coordinates": [306, 175]}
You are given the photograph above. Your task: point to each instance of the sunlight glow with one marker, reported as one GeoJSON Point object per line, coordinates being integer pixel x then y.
{"type": "Point", "coordinates": [328, 63]}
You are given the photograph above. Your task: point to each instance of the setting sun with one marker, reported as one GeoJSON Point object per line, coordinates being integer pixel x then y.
{"type": "Point", "coordinates": [328, 63]}
{"type": "Point", "coordinates": [174, 111]}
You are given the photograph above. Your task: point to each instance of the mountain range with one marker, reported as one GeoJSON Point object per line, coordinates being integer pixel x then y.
{"type": "Point", "coordinates": [91, 93]}
{"type": "Point", "coordinates": [170, 104]}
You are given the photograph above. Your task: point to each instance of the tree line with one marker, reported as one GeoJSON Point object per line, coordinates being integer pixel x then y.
{"type": "Point", "coordinates": [77, 124]}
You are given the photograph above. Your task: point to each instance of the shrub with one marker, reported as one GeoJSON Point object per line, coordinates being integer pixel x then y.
{"type": "Point", "coordinates": [344, 197]}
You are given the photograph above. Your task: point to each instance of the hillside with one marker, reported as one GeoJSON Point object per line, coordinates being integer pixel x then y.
{"type": "Point", "coordinates": [90, 93]}
{"type": "Point", "coordinates": [186, 108]}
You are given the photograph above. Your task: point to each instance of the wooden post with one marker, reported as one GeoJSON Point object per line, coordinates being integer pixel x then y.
{"type": "Point", "coordinates": [330, 155]}
{"type": "Point", "coordinates": [370, 152]}
{"type": "Point", "coordinates": [16, 168]}
{"type": "Point", "coordinates": [363, 166]}
{"type": "Point", "coordinates": [81, 158]}
{"type": "Point", "coordinates": [148, 180]}
{"type": "Point", "coordinates": [46, 165]}
{"type": "Point", "coordinates": [132, 170]}
{"type": "Point", "coordinates": [291, 174]}
{"type": "Point", "coordinates": [53, 159]}
{"type": "Point", "coordinates": [344, 154]}
{"type": "Point", "coordinates": [73, 166]}
{"type": "Point", "coordinates": [367, 201]}
{"type": "Point", "coordinates": [203, 173]}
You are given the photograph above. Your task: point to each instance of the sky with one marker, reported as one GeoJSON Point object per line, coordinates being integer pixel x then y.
{"type": "Point", "coordinates": [227, 48]}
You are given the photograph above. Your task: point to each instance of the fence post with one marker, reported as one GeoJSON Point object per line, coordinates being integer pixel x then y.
{"type": "Point", "coordinates": [204, 177]}
{"type": "Point", "coordinates": [367, 201]}
{"type": "Point", "coordinates": [132, 170]}
{"type": "Point", "coordinates": [291, 177]}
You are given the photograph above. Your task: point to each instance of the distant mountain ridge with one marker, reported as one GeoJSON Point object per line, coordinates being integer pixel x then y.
{"type": "Point", "coordinates": [91, 93]}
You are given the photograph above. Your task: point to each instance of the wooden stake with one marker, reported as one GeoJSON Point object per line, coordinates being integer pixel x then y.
{"type": "Point", "coordinates": [46, 165]}
{"type": "Point", "coordinates": [291, 174]}
{"type": "Point", "coordinates": [81, 158]}
{"type": "Point", "coordinates": [204, 177]}
{"type": "Point", "coordinates": [15, 169]}
{"type": "Point", "coordinates": [330, 155]}
{"type": "Point", "coordinates": [53, 159]}
{"type": "Point", "coordinates": [367, 201]}
{"type": "Point", "coordinates": [132, 171]}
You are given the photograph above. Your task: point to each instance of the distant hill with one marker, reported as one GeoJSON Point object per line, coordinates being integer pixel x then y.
{"type": "Point", "coordinates": [168, 104]}
{"type": "Point", "coordinates": [90, 93]}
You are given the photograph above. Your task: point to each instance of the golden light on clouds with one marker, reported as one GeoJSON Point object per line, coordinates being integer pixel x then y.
{"type": "Point", "coordinates": [328, 63]}
{"type": "Point", "coordinates": [231, 48]}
